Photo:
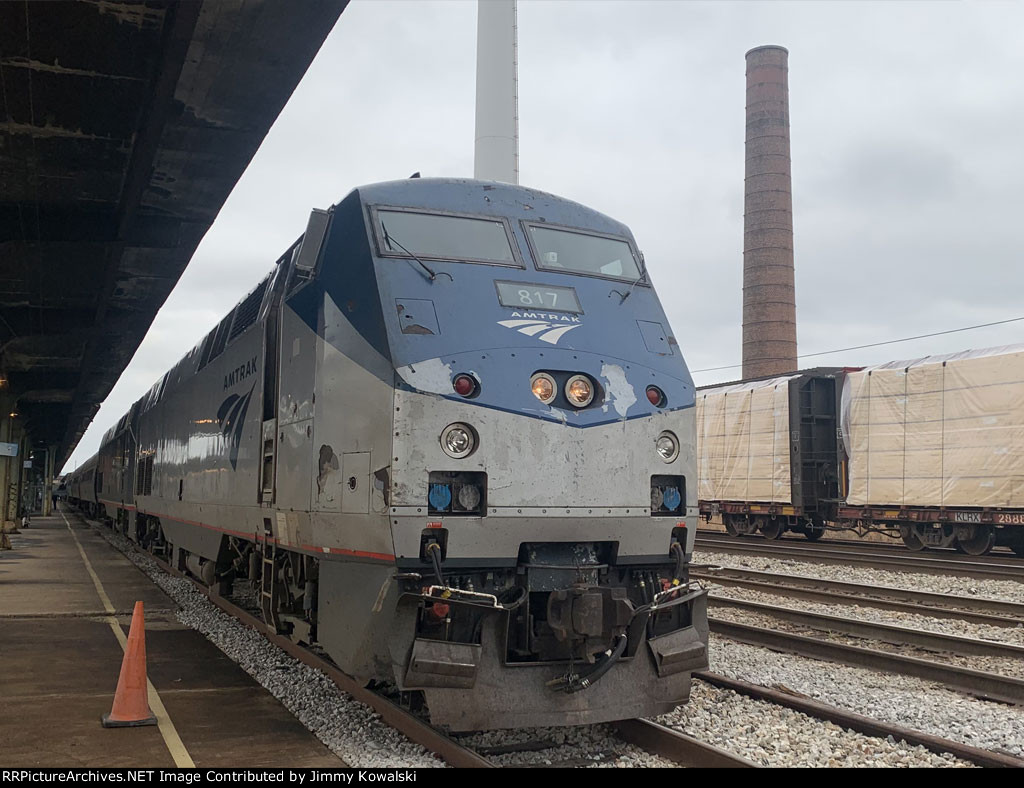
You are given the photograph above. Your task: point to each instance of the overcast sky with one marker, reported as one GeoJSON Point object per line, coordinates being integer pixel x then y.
{"type": "Point", "coordinates": [907, 123]}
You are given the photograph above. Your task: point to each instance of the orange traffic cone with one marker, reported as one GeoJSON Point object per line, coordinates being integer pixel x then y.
{"type": "Point", "coordinates": [131, 704]}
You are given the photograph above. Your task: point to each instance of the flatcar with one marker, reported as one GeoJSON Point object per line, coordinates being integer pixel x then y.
{"type": "Point", "coordinates": [928, 450]}
{"type": "Point", "coordinates": [449, 439]}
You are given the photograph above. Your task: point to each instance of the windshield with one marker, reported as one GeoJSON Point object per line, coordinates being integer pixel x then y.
{"type": "Point", "coordinates": [440, 237]}
{"type": "Point", "coordinates": [577, 252]}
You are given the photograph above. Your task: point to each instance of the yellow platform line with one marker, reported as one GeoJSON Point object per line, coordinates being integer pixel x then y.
{"type": "Point", "coordinates": [163, 720]}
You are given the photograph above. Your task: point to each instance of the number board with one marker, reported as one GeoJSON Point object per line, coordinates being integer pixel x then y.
{"type": "Point", "coordinates": [523, 295]}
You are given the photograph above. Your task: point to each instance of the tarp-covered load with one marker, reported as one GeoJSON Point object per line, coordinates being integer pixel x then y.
{"type": "Point", "coordinates": [743, 442]}
{"type": "Point", "coordinates": [937, 431]}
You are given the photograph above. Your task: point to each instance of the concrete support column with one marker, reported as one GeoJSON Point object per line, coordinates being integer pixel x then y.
{"type": "Point", "coordinates": [48, 483]}
{"type": "Point", "coordinates": [10, 467]}
{"type": "Point", "coordinates": [24, 499]}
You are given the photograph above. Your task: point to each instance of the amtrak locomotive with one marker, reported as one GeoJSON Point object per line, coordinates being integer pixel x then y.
{"type": "Point", "coordinates": [450, 439]}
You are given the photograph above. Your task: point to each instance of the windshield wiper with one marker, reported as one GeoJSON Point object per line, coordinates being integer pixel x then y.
{"type": "Point", "coordinates": [630, 290]}
{"type": "Point", "coordinates": [431, 273]}
{"type": "Point", "coordinates": [643, 273]}
{"type": "Point", "coordinates": [638, 280]}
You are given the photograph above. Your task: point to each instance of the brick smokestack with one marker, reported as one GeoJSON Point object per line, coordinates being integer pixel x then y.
{"type": "Point", "coordinates": [769, 296]}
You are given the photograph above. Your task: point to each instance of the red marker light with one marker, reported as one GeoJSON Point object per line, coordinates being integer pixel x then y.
{"type": "Point", "coordinates": [656, 396]}
{"type": "Point", "coordinates": [438, 611]}
{"type": "Point", "coordinates": [464, 385]}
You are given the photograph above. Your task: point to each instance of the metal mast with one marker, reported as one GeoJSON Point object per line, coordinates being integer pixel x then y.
{"type": "Point", "coordinates": [496, 153]}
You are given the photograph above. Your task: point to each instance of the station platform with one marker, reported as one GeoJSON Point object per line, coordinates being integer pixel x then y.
{"type": "Point", "coordinates": [60, 659]}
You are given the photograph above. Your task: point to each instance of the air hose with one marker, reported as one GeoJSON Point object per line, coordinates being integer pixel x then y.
{"type": "Point", "coordinates": [677, 549]}
{"type": "Point", "coordinates": [434, 549]}
{"type": "Point", "coordinates": [577, 682]}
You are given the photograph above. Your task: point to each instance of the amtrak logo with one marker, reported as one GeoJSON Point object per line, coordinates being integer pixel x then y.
{"type": "Point", "coordinates": [542, 329]}
{"type": "Point", "coordinates": [231, 417]}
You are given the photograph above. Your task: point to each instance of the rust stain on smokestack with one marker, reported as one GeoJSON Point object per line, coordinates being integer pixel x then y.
{"type": "Point", "coordinates": [769, 295]}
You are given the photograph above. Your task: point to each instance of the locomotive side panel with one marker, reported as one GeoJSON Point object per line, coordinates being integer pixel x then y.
{"type": "Point", "coordinates": [350, 481]}
{"type": "Point", "coordinates": [350, 490]}
{"type": "Point", "coordinates": [352, 429]}
{"type": "Point", "coordinates": [295, 415]}
{"type": "Point", "coordinates": [204, 435]}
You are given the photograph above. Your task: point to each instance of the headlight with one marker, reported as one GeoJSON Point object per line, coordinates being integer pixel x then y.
{"type": "Point", "coordinates": [667, 446]}
{"type": "Point", "coordinates": [543, 387]}
{"type": "Point", "coordinates": [469, 497]}
{"type": "Point", "coordinates": [579, 391]}
{"type": "Point", "coordinates": [458, 440]}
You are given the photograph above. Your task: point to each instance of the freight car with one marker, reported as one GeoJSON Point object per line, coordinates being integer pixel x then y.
{"type": "Point", "coordinates": [930, 450]}
{"type": "Point", "coordinates": [767, 453]}
{"type": "Point", "coordinates": [449, 439]}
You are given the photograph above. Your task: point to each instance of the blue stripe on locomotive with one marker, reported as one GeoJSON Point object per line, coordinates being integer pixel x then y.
{"type": "Point", "coordinates": [470, 338]}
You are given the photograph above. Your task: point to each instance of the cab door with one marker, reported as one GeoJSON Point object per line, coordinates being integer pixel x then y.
{"type": "Point", "coordinates": [296, 355]}
{"type": "Point", "coordinates": [271, 319]}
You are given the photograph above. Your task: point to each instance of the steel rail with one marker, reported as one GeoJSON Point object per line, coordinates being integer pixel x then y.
{"type": "Point", "coordinates": [678, 747]}
{"type": "Point", "coordinates": [973, 682]}
{"type": "Point", "coordinates": [1007, 559]}
{"type": "Point", "coordinates": [982, 611]}
{"type": "Point", "coordinates": [895, 546]}
{"type": "Point", "coordinates": [862, 724]}
{"type": "Point", "coordinates": [871, 630]}
{"type": "Point", "coordinates": [906, 563]}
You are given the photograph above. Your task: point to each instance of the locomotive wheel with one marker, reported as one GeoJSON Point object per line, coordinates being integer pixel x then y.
{"type": "Point", "coordinates": [911, 539]}
{"type": "Point", "coordinates": [773, 529]}
{"type": "Point", "coordinates": [730, 527]}
{"type": "Point", "coordinates": [979, 541]}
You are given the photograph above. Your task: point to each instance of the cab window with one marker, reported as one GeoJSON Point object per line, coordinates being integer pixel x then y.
{"type": "Point", "coordinates": [431, 236]}
{"type": "Point", "coordinates": [578, 252]}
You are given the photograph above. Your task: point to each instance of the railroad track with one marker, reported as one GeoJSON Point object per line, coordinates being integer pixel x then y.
{"type": "Point", "coordinates": [979, 683]}
{"type": "Point", "coordinates": [660, 740]}
{"type": "Point", "coordinates": [896, 547]}
{"type": "Point", "coordinates": [866, 725]}
{"type": "Point", "coordinates": [645, 734]}
{"type": "Point", "coordinates": [993, 568]}
{"type": "Point", "coordinates": [976, 610]}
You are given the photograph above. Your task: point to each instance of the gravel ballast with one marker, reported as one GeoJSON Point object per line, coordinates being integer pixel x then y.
{"type": "Point", "coordinates": [776, 736]}
{"type": "Point", "coordinates": [1004, 590]}
{"type": "Point", "coordinates": [901, 700]}
{"type": "Point", "coordinates": [945, 626]}
{"type": "Point", "coordinates": [1004, 666]}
